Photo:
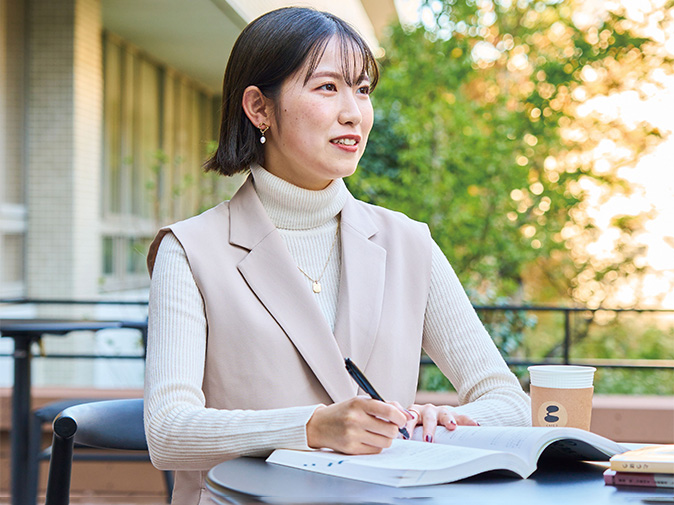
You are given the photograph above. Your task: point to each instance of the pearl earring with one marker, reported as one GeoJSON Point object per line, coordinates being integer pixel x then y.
{"type": "Point", "coordinates": [263, 128]}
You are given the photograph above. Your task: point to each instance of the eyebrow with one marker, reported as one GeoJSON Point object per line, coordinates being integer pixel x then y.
{"type": "Point", "coordinates": [337, 76]}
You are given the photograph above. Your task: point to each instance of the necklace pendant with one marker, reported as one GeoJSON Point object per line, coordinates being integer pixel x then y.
{"type": "Point", "coordinates": [316, 287]}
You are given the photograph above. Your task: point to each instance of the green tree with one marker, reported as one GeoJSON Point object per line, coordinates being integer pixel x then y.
{"type": "Point", "coordinates": [478, 133]}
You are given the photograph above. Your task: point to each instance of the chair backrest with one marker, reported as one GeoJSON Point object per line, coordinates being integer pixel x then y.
{"type": "Point", "coordinates": [110, 424]}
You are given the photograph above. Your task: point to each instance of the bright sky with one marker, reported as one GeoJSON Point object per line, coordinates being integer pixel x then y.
{"type": "Point", "coordinates": [652, 179]}
{"type": "Point", "coordinates": [652, 182]}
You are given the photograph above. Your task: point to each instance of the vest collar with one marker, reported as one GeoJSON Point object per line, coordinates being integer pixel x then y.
{"type": "Point", "coordinates": [272, 274]}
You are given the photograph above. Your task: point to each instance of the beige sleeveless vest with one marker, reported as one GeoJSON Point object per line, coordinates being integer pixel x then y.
{"type": "Point", "coordinates": [269, 345]}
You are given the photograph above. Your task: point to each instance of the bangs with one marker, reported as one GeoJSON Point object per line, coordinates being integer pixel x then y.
{"type": "Point", "coordinates": [357, 61]}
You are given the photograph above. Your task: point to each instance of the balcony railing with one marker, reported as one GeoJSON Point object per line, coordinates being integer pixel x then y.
{"type": "Point", "coordinates": [565, 333]}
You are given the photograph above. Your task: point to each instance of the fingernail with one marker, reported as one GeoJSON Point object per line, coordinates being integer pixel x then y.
{"type": "Point", "coordinates": [452, 421]}
{"type": "Point", "coordinates": [477, 423]}
{"type": "Point", "coordinates": [428, 438]}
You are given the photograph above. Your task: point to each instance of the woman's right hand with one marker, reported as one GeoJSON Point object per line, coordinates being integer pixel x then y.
{"type": "Point", "coordinates": [356, 426]}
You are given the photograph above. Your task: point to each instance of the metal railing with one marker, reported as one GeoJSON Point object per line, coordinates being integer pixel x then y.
{"type": "Point", "coordinates": [140, 325]}
{"type": "Point", "coordinates": [566, 334]}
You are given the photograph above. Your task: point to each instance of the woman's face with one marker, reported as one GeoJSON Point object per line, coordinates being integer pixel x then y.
{"type": "Point", "coordinates": [321, 126]}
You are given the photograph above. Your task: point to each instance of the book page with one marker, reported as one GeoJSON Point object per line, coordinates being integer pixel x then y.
{"type": "Point", "coordinates": [453, 455]}
{"type": "Point", "coordinates": [411, 455]}
{"type": "Point", "coordinates": [502, 438]}
{"type": "Point", "coordinates": [527, 442]}
{"type": "Point", "coordinates": [405, 463]}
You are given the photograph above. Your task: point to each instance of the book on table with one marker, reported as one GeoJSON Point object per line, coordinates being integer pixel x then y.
{"type": "Point", "coordinates": [455, 455]}
{"type": "Point", "coordinates": [640, 479]}
{"type": "Point", "coordinates": [649, 459]}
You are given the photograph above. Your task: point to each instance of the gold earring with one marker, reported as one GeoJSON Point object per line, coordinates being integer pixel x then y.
{"type": "Point", "coordinates": [263, 128]}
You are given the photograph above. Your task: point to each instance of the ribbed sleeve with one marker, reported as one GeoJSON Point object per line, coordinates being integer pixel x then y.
{"type": "Point", "coordinates": [456, 340]}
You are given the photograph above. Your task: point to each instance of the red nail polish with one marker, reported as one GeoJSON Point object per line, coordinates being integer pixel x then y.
{"type": "Point", "coordinates": [453, 422]}
{"type": "Point", "coordinates": [429, 438]}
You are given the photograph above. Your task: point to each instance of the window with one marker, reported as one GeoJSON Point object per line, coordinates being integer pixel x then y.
{"type": "Point", "coordinates": [158, 126]}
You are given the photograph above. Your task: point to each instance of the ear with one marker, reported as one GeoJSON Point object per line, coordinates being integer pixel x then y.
{"type": "Point", "coordinates": [257, 107]}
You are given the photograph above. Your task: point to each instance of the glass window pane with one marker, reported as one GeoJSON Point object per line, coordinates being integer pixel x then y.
{"type": "Point", "coordinates": [108, 256]}
{"type": "Point", "coordinates": [112, 124]}
{"type": "Point", "coordinates": [12, 258]}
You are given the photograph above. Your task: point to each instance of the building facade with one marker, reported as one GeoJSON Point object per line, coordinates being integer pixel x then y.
{"type": "Point", "coordinates": [108, 108]}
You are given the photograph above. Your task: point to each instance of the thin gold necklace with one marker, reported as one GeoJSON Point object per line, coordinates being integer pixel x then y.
{"type": "Point", "coordinates": [316, 283]}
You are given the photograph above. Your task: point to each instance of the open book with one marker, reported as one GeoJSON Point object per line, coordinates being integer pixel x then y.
{"type": "Point", "coordinates": [455, 455]}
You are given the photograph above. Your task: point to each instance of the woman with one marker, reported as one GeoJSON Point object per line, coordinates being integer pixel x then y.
{"type": "Point", "coordinates": [255, 304]}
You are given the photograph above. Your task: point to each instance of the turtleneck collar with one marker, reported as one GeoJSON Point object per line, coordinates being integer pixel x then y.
{"type": "Point", "coordinates": [293, 208]}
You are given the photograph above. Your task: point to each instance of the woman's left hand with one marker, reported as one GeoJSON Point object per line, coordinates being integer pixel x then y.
{"type": "Point", "coordinates": [430, 416]}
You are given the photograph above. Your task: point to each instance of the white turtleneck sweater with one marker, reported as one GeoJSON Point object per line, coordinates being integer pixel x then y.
{"type": "Point", "coordinates": [187, 436]}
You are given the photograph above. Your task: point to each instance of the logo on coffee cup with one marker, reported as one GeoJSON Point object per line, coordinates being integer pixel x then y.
{"type": "Point", "coordinates": [552, 414]}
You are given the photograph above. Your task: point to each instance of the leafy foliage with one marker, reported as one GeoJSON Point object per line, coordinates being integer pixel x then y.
{"type": "Point", "coordinates": [477, 132]}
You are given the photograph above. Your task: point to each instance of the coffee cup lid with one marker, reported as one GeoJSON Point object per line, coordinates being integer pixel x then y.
{"type": "Point", "coordinates": [562, 376]}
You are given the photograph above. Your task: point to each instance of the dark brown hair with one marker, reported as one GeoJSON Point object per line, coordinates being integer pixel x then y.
{"type": "Point", "coordinates": [268, 51]}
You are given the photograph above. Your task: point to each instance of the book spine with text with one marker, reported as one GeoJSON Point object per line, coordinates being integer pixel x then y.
{"type": "Point", "coordinates": [613, 478]}
{"type": "Point", "coordinates": [642, 466]}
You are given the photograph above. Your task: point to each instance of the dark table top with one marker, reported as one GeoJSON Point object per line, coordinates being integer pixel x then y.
{"type": "Point", "coordinates": [10, 327]}
{"type": "Point", "coordinates": [252, 481]}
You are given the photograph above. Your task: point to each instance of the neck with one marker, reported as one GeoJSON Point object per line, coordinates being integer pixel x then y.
{"type": "Point", "coordinates": [292, 207]}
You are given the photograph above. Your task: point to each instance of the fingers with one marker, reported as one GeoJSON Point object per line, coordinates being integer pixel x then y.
{"type": "Point", "coordinates": [462, 420]}
{"type": "Point", "coordinates": [415, 420]}
{"type": "Point", "coordinates": [389, 411]}
{"type": "Point", "coordinates": [446, 418]}
{"type": "Point", "coordinates": [405, 411]}
{"type": "Point", "coordinates": [356, 426]}
{"type": "Point", "coordinates": [410, 420]}
{"type": "Point", "coordinates": [431, 416]}
{"type": "Point", "coordinates": [379, 427]}
{"type": "Point", "coordinates": [361, 425]}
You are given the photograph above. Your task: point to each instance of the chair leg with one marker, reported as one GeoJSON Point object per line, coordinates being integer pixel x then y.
{"type": "Point", "coordinates": [35, 443]}
{"type": "Point", "coordinates": [168, 479]}
{"type": "Point", "coordinates": [61, 462]}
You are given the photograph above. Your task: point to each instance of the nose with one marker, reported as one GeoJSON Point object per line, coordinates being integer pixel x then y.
{"type": "Point", "coordinates": [350, 112]}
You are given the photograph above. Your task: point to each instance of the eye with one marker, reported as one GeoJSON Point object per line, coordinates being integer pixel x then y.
{"type": "Point", "coordinates": [328, 87]}
{"type": "Point", "coordinates": [364, 90]}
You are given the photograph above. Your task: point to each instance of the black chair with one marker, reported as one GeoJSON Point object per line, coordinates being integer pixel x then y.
{"type": "Point", "coordinates": [47, 414]}
{"type": "Point", "coordinates": [40, 417]}
{"type": "Point", "coordinates": [110, 424]}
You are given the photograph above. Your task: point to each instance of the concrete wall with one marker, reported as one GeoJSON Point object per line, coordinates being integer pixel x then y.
{"type": "Point", "coordinates": [63, 132]}
{"type": "Point", "coordinates": [12, 167]}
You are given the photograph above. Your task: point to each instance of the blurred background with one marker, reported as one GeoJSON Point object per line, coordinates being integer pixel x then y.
{"type": "Point", "coordinates": [533, 136]}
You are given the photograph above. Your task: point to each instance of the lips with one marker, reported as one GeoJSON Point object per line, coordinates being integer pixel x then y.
{"type": "Point", "coordinates": [347, 143]}
{"type": "Point", "coordinates": [346, 140]}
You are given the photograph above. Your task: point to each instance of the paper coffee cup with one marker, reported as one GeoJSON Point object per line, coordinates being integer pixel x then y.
{"type": "Point", "coordinates": [561, 395]}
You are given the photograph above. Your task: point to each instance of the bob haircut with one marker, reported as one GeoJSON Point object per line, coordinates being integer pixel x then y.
{"type": "Point", "coordinates": [268, 51]}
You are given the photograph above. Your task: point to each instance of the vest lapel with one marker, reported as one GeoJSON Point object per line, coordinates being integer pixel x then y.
{"type": "Point", "coordinates": [361, 288]}
{"type": "Point", "coordinates": [273, 276]}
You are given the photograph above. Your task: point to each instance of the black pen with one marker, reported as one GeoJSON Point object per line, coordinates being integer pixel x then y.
{"type": "Point", "coordinates": [365, 385]}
